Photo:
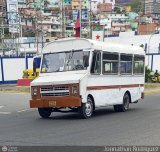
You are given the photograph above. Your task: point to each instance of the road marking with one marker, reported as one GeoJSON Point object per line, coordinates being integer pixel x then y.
{"type": "Point", "coordinates": [23, 110]}
{"type": "Point", "coordinates": [5, 113]}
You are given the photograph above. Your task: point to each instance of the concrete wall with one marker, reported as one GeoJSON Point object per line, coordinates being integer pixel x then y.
{"type": "Point", "coordinates": [152, 43]}
{"type": "Point", "coordinates": [11, 68]}
{"type": "Point", "coordinates": [0, 71]}
{"type": "Point", "coordinates": [129, 38]}
{"type": "Point", "coordinates": [156, 62]}
{"type": "Point", "coordinates": [153, 61]}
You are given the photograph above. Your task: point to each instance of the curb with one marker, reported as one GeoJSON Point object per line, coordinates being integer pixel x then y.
{"type": "Point", "coordinates": [14, 91]}
{"type": "Point", "coordinates": [147, 92]}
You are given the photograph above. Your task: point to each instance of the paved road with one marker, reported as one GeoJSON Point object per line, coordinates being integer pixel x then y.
{"type": "Point", "coordinates": [20, 125]}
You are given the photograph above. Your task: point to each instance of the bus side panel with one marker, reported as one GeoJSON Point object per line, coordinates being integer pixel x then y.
{"type": "Point", "coordinates": [114, 96]}
{"type": "Point", "coordinates": [109, 90]}
{"type": "Point", "coordinates": [136, 93]}
{"type": "Point", "coordinates": [106, 97]}
{"type": "Point", "coordinates": [100, 87]}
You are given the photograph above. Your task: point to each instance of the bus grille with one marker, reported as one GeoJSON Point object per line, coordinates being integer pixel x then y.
{"type": "Point", "coordinates": [56, 91]}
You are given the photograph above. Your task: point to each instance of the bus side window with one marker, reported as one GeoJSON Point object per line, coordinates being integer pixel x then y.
{"type": "Point", "coordinates": [110, 63]}
{"type": "Point", "coordinates": [96, 63]}
{"type": "Point", "coordinates": [126, 64]}
{"type": "Point", "coordinates": [138, 67]}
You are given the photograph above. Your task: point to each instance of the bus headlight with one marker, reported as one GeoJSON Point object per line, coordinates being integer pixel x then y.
{"type": "Point", "coordinates": [75, 90]}
{"type": "Point", "coordinates": [34, 91]}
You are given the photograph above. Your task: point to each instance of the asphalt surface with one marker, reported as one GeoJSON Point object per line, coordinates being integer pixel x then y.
{"type": "Point", "coordinates": [20, 125]}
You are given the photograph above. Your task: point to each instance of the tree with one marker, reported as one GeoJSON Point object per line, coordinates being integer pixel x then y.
{"type": "Point", "coordinates": [147, 74]}
{"type": "Point", "coordinates": [117, 10]}
{"type": "Point", "coordinates": [142, 46]}
{"type": "Point", "coordinates": [137, 6]}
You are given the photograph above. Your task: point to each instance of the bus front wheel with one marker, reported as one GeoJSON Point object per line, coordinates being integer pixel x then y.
{"type": "Point", "coordinates": [123, 107]}
{"type": "Point", "coordinates": [45, 112]}
{"type": "Point", "coordinates": [87, 109]}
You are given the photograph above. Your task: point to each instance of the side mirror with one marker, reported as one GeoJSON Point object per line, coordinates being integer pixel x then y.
{"type": "Point", "coordinates": [86, 61]}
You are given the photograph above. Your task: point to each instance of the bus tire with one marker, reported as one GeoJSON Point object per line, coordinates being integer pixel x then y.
{"type": "Point", "coordinates": [123, 107]}
{"type": "Point", "coordinates": [116, 108]}
{"type": "Point", "coordinates": [45, 112]}
{"type": "Point", "coordinates": [87, 109]}
{"type": "Point", "coordinates": [136, 101]}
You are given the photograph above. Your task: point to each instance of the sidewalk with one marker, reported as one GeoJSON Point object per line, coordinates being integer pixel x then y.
{"type": "Point", "coordinates": [150, 88]}
{"type": "Point", "coordinates": [152, 91]}
{"type": "Point", "coordinates": [14, 88]}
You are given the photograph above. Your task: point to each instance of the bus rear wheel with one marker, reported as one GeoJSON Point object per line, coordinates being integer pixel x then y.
{"type": "Point", "coordinates": [87, 109]}
{"type": "Point", "coordinates": [45, 112]}
{"type": "Point", "coordinates": [123, 107]}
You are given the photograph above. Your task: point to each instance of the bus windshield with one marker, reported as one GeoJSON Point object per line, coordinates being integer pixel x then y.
{"type": "Point", "coordinates": [65, 61]}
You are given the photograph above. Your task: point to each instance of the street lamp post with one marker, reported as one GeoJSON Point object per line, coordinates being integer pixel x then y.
{"type": "Point", "coordinates": [148, 51]}
{"type": "Point", "coordinates": [149, 42]}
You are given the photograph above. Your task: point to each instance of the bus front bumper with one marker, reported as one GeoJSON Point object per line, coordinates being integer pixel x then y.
{"type": "Point", "coordinates": [56, 102]}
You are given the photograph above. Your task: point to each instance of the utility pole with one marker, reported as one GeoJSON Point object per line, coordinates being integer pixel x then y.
{"type": "Point", "coordinates": [41, 19]}
{"type": "Point", "coordinates": [36, 32]}
{"type": "Point", "coordinates": [3, 26]}
{"type": "Point", "coordinates": [80, 18]}
{"type": "Point", "coordinates": [40, 28]}
{"type": "Point", "coordinates": [37, 18]}
{"type": "Point", "coordinates": [2, 35]}
{"type": "Point", "coordinates": [20, 32]}
{"type": "Point", "coordinates": [90, 18]}
{"type": "Point", "coordinates": [62, 18]}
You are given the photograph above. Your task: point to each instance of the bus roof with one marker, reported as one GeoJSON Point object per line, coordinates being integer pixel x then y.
{"type": "Point", "coordinates": [69, 44]}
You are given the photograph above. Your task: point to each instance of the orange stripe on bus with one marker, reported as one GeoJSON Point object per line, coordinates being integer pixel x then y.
{"type": "Point", "coordinates": [114, 87]}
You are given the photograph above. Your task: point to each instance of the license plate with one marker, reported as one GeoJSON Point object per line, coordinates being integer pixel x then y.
{"type": "Point", "coordinates": [52, 103]}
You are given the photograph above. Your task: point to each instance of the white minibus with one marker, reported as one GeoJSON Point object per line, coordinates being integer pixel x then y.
{"type": "Point", "coordinates": [81, 75]}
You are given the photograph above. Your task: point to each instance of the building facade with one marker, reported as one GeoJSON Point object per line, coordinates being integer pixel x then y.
{"type": "Point", "coordinates": [104, 7]}
{"type": "Point", "coordinates": [152, 7]}
{"type": "Point", "coordinates": [119, 23]}
{"type": "Point", "coordinates": [3, 9]}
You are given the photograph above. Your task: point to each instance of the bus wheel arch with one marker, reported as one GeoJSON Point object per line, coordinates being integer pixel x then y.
{"type": "Point", "coordinates": [129, 94]}
{"type": "Point", "coordinates": [89, 95]}
{"type": "Point", "coordinates": [125, 105]}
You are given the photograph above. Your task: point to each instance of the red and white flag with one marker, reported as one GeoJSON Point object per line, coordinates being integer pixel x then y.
{"type": "Point", "coordinates": [77, 26]}
{"type": "Point", "coordinates": [98, 35]}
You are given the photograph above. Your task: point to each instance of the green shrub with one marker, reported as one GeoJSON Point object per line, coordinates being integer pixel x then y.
{"type": "Point", "coordinates": [147, 74]}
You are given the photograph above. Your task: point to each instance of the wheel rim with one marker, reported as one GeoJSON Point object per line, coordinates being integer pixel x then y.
{"type": "Point", "coordinates": [88, 108]}
{"type": "Point", "coordinates": [126, 102]}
